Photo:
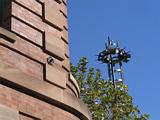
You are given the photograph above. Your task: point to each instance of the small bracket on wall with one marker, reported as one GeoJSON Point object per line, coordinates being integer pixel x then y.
{"type": "Point", "coordinates": [50, 60]}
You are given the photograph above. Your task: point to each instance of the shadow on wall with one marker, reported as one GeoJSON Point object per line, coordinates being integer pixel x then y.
{"type": "Point", "coordinates": [1, 11]}
{"type": "Point", "coordinates": [5, 13]}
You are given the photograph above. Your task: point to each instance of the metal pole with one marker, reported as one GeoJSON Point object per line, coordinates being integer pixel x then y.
{"type": "Point", "coordinates": [120, 63]}
{"type": "Point", "coordinates": [111, 63]}
{"type": "Point", "coordinates": [109, 71]}
{"type": "Point", "coordinates": [112, 71]}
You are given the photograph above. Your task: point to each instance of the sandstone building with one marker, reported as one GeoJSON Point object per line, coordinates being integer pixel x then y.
{"type": "Point", "coordinates": [35, 79]}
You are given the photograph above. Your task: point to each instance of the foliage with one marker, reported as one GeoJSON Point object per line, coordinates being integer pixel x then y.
{"type": "Point", "coordinates": [104, 100]}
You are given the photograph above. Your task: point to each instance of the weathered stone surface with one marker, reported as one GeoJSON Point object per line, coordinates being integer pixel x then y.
{"type": "Point", "coordinates": [66, 64]}
{"type": "Point", "coordinates": [45, 89]}
{"type": "Point", "coordinates": [77, 104]}
{"type": "Point", "coordinates": [72, 79]}
{"type": "Point", "coordinates": [13, 41]}
{"type": "Point", "coordinates": [71, 89]}
{"type": "Point", "coordinates": [33, 5]}
{"type": "Point", "coordinates": [65, 1]}
{"type": "Point", "coordinates": [55, 18]}
{"type": "Point", "coordinates": [54, 45]}
{"type": "Point", "coordinates": [26, 31]}
{"type": "Point", "coordinates": [63, 9]}
{"type": "Point", "coordinates": [56, 76]}
{"type": "Point", "coordinates": [22, 63]}
{"type": "Point", "coordinates": [29, 17]}
{"type": "Point", "coordinates": [7, 113]}
{"type": "Point", "coordinates": [14, 75]}
{"type": "Point", "coordinates": [67, 51]}
{"type": "Point", "coordinates": [31, 108]}
{"type": "Point", "coordinates": [65, 35]}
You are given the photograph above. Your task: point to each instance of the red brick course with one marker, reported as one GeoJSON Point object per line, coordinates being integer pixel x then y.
{"type": "Point", "coordinates": [26, 31]}
{"type": "Point", "coordinates": [27, 16]}
{"type": "Point", "coordinates": [22, 117]}
{"type": "Point", "coordinates": [32, 106]}
{"type": "Point", "coordinates": [20, 62]}
{"type": "Point", "coordinates": [33, 5]}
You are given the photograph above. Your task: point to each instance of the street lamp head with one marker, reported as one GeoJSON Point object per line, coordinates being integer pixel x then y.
{"type": "Point", "coordinates": [120, 55]}
{"type": "Point", "coordinates": [124, 56]}
{"type": "Point", "coordinates": [114, 56]}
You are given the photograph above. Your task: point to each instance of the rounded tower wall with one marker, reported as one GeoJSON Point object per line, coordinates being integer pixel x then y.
{"type": "Point", "coordinates": [35, 77]}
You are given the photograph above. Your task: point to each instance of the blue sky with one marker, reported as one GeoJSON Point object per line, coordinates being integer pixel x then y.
{"type": "Point", "coordinates": [136, 24]}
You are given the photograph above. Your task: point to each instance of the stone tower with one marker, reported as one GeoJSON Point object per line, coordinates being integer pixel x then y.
{"type": "Point", "coordinates": [35, 79]}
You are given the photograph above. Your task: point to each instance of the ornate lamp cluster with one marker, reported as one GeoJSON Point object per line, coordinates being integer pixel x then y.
{"type": "Point", "coordinates": [114, 56]}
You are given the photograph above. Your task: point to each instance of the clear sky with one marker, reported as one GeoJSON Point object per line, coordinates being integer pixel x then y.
{"type": "Point", "coordinates": [136, 24]}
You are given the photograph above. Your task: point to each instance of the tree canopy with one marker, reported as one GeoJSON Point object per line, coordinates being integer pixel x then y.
{"type": "Point", "coordinates": [105, 101]}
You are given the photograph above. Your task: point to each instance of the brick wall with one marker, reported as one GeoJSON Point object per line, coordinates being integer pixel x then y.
{"type": "Point", "coordinates": [33, 33]}
{"type": "Point", "coordinates": [38, 26]}
{"type": "Point", "coordinates": [30, 108]}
